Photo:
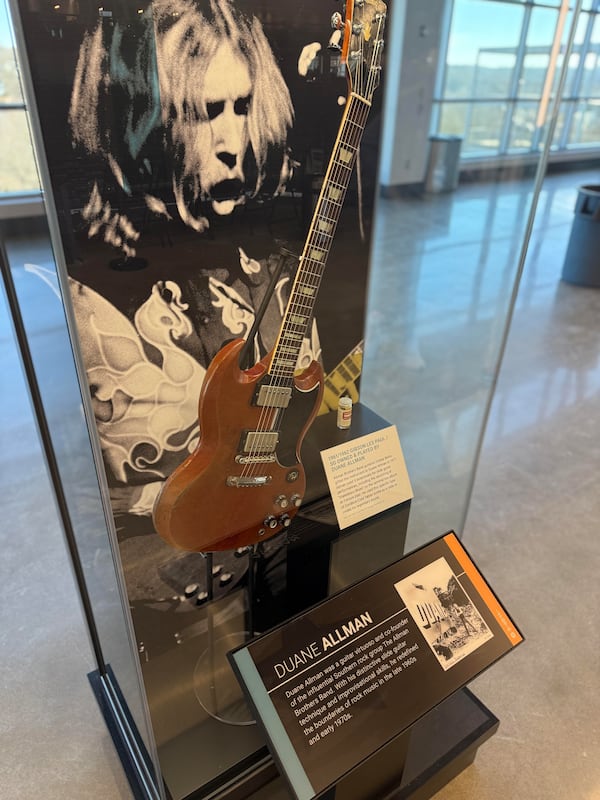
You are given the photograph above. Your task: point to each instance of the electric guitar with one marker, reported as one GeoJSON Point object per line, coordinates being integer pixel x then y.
{"type": "Point", "coordinates": [245, 481]}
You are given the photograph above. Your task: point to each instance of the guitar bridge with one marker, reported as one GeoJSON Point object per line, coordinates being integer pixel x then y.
{"type": "Point", "coordinates": [257, 480]}
{"type": "Point", "coordinates": [269, 458]}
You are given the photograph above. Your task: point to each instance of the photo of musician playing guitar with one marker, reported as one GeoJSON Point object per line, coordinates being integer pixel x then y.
{"type": "Point", "coordinates": [196, 145]}
{"type": "Point", "coordinates": [213, 105]}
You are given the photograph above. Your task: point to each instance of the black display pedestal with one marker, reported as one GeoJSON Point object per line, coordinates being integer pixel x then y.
{"type": "Point", "coordinates": [433, 751]}
{"type": "Point", "coordinates": [130, 748]}
{"type": "Point", "coordinates": [316, 561]}
{"type": "Point", "coordinates": [444, 743]}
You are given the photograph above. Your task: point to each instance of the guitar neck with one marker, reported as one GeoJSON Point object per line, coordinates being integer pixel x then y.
{"type": "Point", "coordinates": [319, 240]}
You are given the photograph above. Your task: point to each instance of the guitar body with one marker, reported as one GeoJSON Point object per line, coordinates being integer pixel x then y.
{"type": "Point", "coordinates": [236, 490]}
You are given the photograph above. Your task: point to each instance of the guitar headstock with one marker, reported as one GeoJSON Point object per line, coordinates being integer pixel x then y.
{"type": "Point", "coordinates": [363, 45]}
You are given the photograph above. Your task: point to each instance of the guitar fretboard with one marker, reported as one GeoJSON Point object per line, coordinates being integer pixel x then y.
{"type": "Point", "coordinates": [318, 242]}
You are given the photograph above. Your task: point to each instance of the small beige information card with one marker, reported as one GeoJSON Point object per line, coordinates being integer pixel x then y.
{"type": "Point", "coordinates": [366, 476]}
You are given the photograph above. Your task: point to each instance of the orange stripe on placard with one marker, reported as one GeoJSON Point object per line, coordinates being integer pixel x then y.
{"type": "Point", "coordinates": [514, 637]}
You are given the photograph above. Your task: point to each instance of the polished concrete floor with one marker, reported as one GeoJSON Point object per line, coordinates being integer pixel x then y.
{"type": "Point", "coordinates": [532, 522]}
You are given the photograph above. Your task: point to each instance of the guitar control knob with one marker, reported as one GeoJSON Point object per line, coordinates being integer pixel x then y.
{"type": "Point", "coordinates": [296, 500]}
{"type": "Point", "coordinates": [201, 598]}
{"type": "Point", "coordinates": [282, 501]}
{"type": "Point", "coordinates": [285, 520]}
{"type": "Point", "coordinates": [271, 522]}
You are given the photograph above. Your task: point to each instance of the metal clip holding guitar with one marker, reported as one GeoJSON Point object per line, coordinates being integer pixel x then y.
{"type": "Point", "coordinates": [245, 481]}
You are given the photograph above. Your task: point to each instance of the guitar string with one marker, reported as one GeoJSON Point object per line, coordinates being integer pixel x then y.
{"type": "Point", "coordinates": [318, 240]}
{"type": "Point", "coordinates": [321, 241]}
{"type": "Point", "coordinates": [309, 276]}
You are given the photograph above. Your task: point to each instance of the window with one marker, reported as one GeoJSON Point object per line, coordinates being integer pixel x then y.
{"type": "Point", "coordinates": [18, 173]}
{"type": "Point", "coordinates": [498, 55]}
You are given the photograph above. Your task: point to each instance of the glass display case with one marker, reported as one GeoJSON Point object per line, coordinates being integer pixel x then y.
{"type": "Point", "coordinates": [216, 198]}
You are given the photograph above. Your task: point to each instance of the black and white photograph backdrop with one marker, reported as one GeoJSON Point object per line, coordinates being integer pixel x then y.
{"type": "Point", "coordinates": [186, 143]}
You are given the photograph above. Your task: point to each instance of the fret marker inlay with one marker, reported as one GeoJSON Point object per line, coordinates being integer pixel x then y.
{"type": "Point", "coordinates": [316, 249]}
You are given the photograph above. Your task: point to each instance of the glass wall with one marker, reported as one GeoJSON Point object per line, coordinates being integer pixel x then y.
{"type": "Point", "coordinates": [443, 274]}
{"type": "Point", "coordinates": [31, 261]}
{"type": "Point", "coordinates": [499, 74]}
{"type": "Point", "coordinates": [446, 266]}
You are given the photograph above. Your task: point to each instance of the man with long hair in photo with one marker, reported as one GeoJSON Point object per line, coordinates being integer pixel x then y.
{"type": "Point", "coordinates": [184, 114]}
{"type": "Point", "coordinates": [190, 85]}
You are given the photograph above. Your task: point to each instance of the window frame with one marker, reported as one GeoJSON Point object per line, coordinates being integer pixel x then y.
{"type": "Point", "coordinates": [570, 103]}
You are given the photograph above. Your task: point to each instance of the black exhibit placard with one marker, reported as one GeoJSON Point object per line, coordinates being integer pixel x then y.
{"type": "Point", "coordinates": [335, 684]}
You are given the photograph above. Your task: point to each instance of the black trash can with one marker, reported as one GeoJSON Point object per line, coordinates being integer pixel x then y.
{"type": "Point", "coordinates": [582, 260]}
{"type": "Point", "coordinates": [444, 163]}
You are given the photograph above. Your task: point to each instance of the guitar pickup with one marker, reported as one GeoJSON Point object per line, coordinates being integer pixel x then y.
{"type": "Point", "coordinates": [260, 442]}
{"type": "Point", "coordinates": [274, 396]}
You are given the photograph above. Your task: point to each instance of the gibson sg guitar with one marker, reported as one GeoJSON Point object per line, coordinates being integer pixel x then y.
{"type": "Point", "coordinates": [245, 481]}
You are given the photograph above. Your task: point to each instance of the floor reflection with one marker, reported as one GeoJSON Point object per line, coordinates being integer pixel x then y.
{"type": "Point", "coordinates": [443, 273]}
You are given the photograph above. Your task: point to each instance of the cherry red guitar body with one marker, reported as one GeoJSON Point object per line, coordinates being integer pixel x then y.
{"type": "Point", "coordinates": [215, 500]}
